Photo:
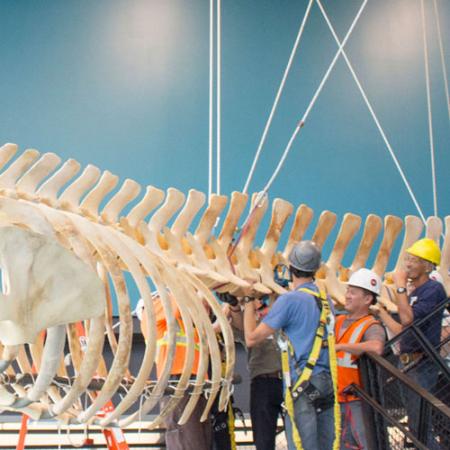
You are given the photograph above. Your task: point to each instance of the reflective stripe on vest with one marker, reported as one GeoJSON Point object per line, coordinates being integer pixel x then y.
{"type": "Point", "coordinates": [348, 360]}
{"type": "Point", "coordinates": [181, 347]}
{"type": "Point", "coordinates": [348, 372]}
{"type": "Point", "coordinates": [180, 340]}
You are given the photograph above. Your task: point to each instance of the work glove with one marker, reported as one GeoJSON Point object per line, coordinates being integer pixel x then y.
{"type": "Point", "coordinates": [226, 297]}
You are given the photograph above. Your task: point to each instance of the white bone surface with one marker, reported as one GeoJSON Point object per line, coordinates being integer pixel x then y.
{"type": "Point", "coordinates": [39, 273]}
{"type": "Point", "coordinates": [64, 262]}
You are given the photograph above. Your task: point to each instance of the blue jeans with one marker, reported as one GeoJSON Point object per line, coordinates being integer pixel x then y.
{"type": "Point", "coordinates": [353, 428]}
{"type": "Point", "coordinates": [316, 427]}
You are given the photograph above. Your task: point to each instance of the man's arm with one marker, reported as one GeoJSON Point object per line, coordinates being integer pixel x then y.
{"type": "Point", "coordinates": [237, 319]}
{"type": "Point", "coordinates": [405, 310]}
{"type": "Point", "coordinates": [254, 334]}
{"type": "Point", "coordinates": [372, 346]}
{"type": "Point", "coordinates": [232, 309]}
{"type": "Point", "coordinates": [393, 326]}
{"type": "Point", "coordinates": [373, 342]}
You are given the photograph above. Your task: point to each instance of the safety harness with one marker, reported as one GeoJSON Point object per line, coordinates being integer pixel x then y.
{"type": "Point", "coordinates": [292, 393]}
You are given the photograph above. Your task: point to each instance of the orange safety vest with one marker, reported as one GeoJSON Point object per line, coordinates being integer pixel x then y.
{"type": "Point", "coordinates": [348, 372]}
{"type": "Point", "coordinates": [162, 343]}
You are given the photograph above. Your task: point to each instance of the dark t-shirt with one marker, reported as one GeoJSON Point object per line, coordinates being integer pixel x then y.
{"type": "Point", "coordinates": [263, 358]}
{"type": "Point", "coordinates": [423, 300]}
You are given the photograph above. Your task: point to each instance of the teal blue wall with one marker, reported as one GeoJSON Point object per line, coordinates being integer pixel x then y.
{"type": "Point", "coordinates": [123, 84]}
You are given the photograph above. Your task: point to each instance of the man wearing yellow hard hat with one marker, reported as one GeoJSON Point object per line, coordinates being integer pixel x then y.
{"type": "Point", "coordinates": [425, 293]}
{"type": "Point", "coordinates": [417, 296]}
{"type": "Point", "coordinates": [417, 293]}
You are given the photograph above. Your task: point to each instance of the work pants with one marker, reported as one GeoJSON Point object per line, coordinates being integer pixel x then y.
{"type": "Point", "coordinates": [266, 397]}
{"type": "Point", "coordinates": [353, 427]}
{"type": "Point", "coordinates": [315, 425]}
{"type": "Point", "coordinates": [193, 434]}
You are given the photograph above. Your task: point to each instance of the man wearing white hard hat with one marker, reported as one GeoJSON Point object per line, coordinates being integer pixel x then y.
{"type": "Point", "coordinates": [356, 332]}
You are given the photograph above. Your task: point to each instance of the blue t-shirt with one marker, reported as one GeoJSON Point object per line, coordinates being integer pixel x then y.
{"type": "Point", "coordinates": [297, 314]}
{"type": "Point", "coordinates": [423, 300]}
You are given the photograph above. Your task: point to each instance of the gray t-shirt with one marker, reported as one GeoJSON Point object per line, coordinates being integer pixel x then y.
{"type": "Point", "coordinates": [263, 358]}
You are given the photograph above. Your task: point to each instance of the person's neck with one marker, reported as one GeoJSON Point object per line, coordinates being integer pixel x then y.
{"type": "Point", "coordinates": [299, 281]}
{"type": "Point", "coordinates": [420, 280]}
{"type": "Point", "coordinates": [356, 315]}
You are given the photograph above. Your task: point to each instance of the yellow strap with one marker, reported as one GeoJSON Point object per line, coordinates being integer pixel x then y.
{"type": "Point", "coordinates": [307, 372]}
{"type": "Point", "coordinates": [318, 340]}
{"type": "Point", "coordinates": [334, 377]}
{"type": "Point", "coordinates": [231, 419]}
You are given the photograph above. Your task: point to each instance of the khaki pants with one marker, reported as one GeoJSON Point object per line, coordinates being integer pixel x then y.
{"type": "Point", "coordinates": [193, 434]}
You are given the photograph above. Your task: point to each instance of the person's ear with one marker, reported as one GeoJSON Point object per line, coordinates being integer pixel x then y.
{"type": "Point", "coordinates": [368, 299]}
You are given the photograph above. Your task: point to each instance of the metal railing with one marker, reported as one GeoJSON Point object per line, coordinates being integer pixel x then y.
{"type": "Point", "coordinates": [406, 393]}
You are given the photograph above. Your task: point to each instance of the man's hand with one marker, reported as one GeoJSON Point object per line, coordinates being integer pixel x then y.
{"type": "Point", "coordinates": [400, 278]}
{"type": "Point", "coordinates": [250, 291]}
{"type": "Point", "coordinates": [226, 297]}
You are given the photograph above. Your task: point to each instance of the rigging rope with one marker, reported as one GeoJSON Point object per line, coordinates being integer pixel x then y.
{"type": "Point", "coordinates": [277, 98]}
{"type": "Point", "coordinates": [430, 115]}
{"type": "Point", "coordinates": [218, 92]}
{"type": "Point", "coordinates": [311, 104]}
{"type": "Point", "coordinates": [211, 86]}
{"type": "Point", "coordinates": [441, 50]}
{"type": "Point", "coordinates": [262, 194]}
{"type": "Point", "coordinates": [375, 118]}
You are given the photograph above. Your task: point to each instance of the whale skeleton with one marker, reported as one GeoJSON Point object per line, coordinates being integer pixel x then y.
{"type": "Point", "coordinates": [67, 259]}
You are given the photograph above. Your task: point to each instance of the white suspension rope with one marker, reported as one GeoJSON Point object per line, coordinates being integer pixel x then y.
{"type": "Point", "coordinates": [375, 118]}
{"type": "Point", "coordinates": [430, 114]}
{"type": "Point", "coordinates": [316, 95]}
{"type": "Point", "coordinates": [211, 87]}
{"type": "Point", "coordinates": [277, 98]}
{"type": "Point", "coordinates": [218, 101]}
{"type": "Point", "coordinates": [441, 50]}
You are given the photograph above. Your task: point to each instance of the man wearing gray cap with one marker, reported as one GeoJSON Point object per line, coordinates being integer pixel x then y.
{"type": "Point", "coordinates": [304, 316]}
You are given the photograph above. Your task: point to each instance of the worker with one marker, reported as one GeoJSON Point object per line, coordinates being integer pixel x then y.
{"type": "Point", "coordinates": [264, 365]}
{"type": "Point", "coordinates": [306, 318]}
{"type": "Point", "coordinates": [194, 433]}
{"type": "Point", "coordinates": [356, 333]}
{"type": "Point", "coordinates": [425, 294]}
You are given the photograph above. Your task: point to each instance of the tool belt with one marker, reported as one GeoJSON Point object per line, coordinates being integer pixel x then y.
{"type": "Point", "coordinates": [317, 399]}
{"type": "Point", "coordinates": [407, 358]}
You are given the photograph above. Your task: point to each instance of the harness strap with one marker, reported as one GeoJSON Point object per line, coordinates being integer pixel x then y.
{"type": "Point", "coordinates": [326, 322]}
